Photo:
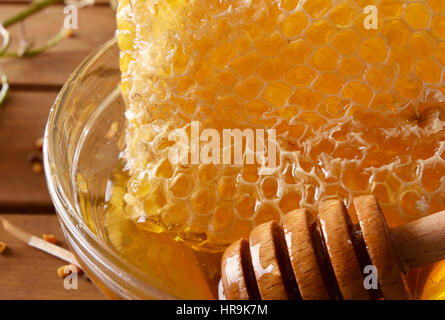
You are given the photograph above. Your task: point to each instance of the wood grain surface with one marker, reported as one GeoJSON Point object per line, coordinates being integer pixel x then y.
{"type": "Point", "coordinates": [96, 25]}
{"type": "Point", "coordinates": [28, 273]}
{"type": "Point", "coordinates": [22, 122]}
{"type": "Point", "coordinates": [25, 272]}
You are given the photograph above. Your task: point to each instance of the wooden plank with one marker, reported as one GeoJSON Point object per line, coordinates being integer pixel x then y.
{"type": "Point", "coordinates": [22, 122]}
{"type": "Point", "coordinates": [96, 25]}
{"type": "Point", "coordinates": [28, 273]}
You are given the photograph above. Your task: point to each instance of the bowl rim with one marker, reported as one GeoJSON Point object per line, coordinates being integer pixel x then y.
{"type": "Point", "coordinates": [82, 240]}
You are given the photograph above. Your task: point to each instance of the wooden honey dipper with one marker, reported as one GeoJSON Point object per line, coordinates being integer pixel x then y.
{"type": "Point", "coordinates": [325, 259]}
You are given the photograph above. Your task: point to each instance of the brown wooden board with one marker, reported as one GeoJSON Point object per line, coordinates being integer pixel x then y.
{"type": "Point", "coordinates": [22, 122]}
{"type": "Point", "coordinates": [96, 25]}
{"type": "Point", "coordinates": [25, 272]}
{"type": "Point", "coordinates": [28, 273]}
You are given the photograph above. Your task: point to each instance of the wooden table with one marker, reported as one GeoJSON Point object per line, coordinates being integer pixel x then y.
{"type": "Point", "coordinates": [27, 273]}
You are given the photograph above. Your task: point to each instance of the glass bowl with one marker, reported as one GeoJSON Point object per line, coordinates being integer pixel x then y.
{"type": "Point", "coordinates": [82, 142]}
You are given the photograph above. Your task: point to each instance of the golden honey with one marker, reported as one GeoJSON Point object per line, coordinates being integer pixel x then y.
{"type": "Point", "coordinates": [356, 110]}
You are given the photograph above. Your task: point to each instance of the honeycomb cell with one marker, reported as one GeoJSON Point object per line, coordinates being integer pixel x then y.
{"type": "Point", "coordinates": [391, 8]}
{"type": "Point", "coordinates": [181, 186]}
{"type": "Point", "coordinates": [325, 59]}
{"type": "Point", "coordinates": [245, 206]}
{"type": "Point", "coordinates": [296, 52]}
{"type": "Point", "coordinates": [364, 3]}
{"type": "Point", "coordinates": [312, 119]}
{"type": "Point", "coordinates": [381, 191]}
{"type": "Point", "coordinates": [438, 26]}
{"type": "Point", "coordinates": [383, 102]}
{"type": "Point", "coordinates": [357, 92]}
{"type": "Point", "coordinates": [317, 8]}
{"type": "Point", "coordinates": [155, 201]}
{"type": "Point", "coordinates": [408, 172]}
{"type": "Point", "coordinates": [355, 178]}
{"type": "Point", "coordinates": [413, 204]}
{"type": "Point", "coordinates": [351, 67]}
{"type": "Point", "coordinates": [324, 146]}
{"type": "Point", "coordinates": [374, 50]}
{"type": "Point", "coordinates": [222, 55]}
{"type": "Point", "coordinates": [175, 216]}
{"type": "Point", "coordinates": [226, 78]}
{"type": "Point", "coordinates": [207, 95]}
{"type": "Point", "coordinates": [403, 58]}
{"type": "Point", "coordinates": [332, 107]}
{"type": "Point", "coordinates": [428, 70]}
{"type": "Point", "coordinates": [202, 73]}
{"type": "Point", "coordinates": [223, 218]}
{"type": "Point", "coordinates": [185, 83]}
{"type": "Point", "coordinates": [346, 42]}
{"type": "Point", "coordinates": [249, 89]}
{"type": "Point", "coordinates": [226, 188]}
{"type": "Point", "coordinates": [285, 113]}
{"type": "Point", "coordinates": [301, 76]}
{"type": "Point", "coordinates": [269, 187]}
{"type": "Point", "coordinates": [417, 15]}
{"type": "Point", "coordinates": [396, 33]}
{"type": "Point", "coordinates": [305, 98]}
{"type": "Point", "coordinates": [329, 83]}
{"type": "Point", "coordinates": [246, 65]}
{"type": "Point", "coordinates": [203, 44]}
{"type": "Point", "coordinates": [381, 77]}
{"type": "Point", "coordinates": [254, 31]}
{"type": "Point", "coordinates": [289, 5]}
{"type": "Point", "coordinates": [197, 230]}
{"type": "Point", "coordinates": [271, 45]}
{"type": "Point", "coordinates": [320, 32]}
{"type": "Point", "coordinates": [290, 201]}
{"type": "Point", "coordinates": [250, 173]}
{"type": "Point", "coordinates": [422, 44]}
{"type": "Point", "coordinates": [257, 107]}
{"type": "Point", "coordinates": [267, 212]}
{"type": "Point", "coordinates": [180, 60]}
{"type": "Point", "coordinates": [424, 150]}
{"type": "Point", "coordinates": [436, 5]}
{"type": "Point", "coordinates": [312, 192]}
{"type": "Point", "coordinates": [202, 201]}
{"type": "Point", "coordinates": [270, 17]}
{"type": "Point", "coordinates": [294, 24]}
{"type": "Point", "coordinates": [242, 42]}
{"type": "Point", "coordinates": [139, 187]}
{"type": "Point", "coordinates": [277, 94]}
{"type": "Point", "coordinates": [440, 53]}
{"type": "Point", "coordinates": [343, 15]}
{"type": "Point", "coordinates": [272, 69]}
{"type": "Point", "coordinates": [408, 88]}
{"type": "Point", "coordinates": [433, 177]}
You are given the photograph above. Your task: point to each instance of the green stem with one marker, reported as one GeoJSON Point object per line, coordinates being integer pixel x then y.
{"type": "Point", "coordinates": [6, 39]}
{"type": "Point", "coordinates": [5, 86]}
{"type": "Point", "coordinates": [62, 34]}
{"type": "Point", "coordinates": [33, 8]}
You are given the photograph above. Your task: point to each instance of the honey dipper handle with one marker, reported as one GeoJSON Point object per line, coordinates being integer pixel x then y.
{"type": "Point", "coordinates": [421, 242]}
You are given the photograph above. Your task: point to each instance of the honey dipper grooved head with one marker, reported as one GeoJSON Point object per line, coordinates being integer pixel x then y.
{"type": "Point", "coordinates": [380, 247]}
{"type": "Point", "coordinates": [271, 264]}
{"type": "Point", "coordinates": [298, 226]}
{"type": "Point", "coordinates": [334, 221]}
{"type": "Point", "coordinates": [291, 264]}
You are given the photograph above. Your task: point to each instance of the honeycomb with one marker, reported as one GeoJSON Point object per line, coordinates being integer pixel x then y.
{"type": "Point", "coordinates": [355, 110]}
